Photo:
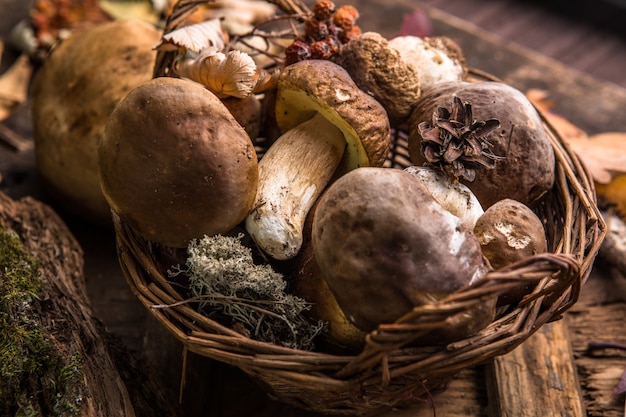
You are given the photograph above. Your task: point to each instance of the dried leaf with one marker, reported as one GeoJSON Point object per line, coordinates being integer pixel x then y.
{"type": "Point", "coordinates": [14, 86]}
{"type": "Point", "coordinates": [266, 80]}
{"type": "Point", "coordinates": [141, 10]}
{"type": "Point", "coordinates": [51, 17]}
{"type": "Point", "coordinates": [232, 74]}
{"type": "Point", "coordinates": [603, 154]}
{"type": "Point", "coordinates": [195, 38]}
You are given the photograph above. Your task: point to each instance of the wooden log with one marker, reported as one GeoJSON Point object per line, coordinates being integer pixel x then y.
{"type": "Point", "coordinates": [56, 358]}
{"type": "Point", "coordinates": [538, 378]}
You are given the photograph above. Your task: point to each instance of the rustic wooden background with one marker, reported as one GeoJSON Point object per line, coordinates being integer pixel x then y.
{"type": "Point", "coordinates": [580, 63]}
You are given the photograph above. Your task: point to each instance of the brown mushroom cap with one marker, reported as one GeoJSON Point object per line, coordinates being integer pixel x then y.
{"type": "Point", "coordinates": [362, 120]}
{"type": "Point", "coordinates": [385, 245]}
{"type": "Point", "coordinates": [527, 170]}
{"type": "Point", "coordinates": [174, 163]}
{"type": "Point", "coordinates": [248, 113]}
{"type": "Point", "coordinates": [379, 70]}
{"type": "Point", "coordinates": [509, 231]}
{"type": "Point", "coordinates": [73, 95]}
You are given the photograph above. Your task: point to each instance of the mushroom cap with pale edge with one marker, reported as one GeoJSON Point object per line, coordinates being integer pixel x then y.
{"type": "Point", "coordinates": [453, 196]}
{"type": "Point", "coordinates": [174, 163]}
{"type": "Point", "coordinates": [72, 96]}
{"type": "Point", "coordinates": [311, 86]}
{"type": "Point", "coordinates": [526, 170]}
{"type": "Point", "coordinates": [437, 59]}
{"type": "Point", "coordinates": [385, 245]}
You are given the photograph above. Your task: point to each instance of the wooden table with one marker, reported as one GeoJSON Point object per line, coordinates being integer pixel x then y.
{"type": "Point", "coordinates": [569, 379]}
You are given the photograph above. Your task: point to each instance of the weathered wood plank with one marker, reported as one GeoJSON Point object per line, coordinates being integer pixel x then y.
{"type": "Point", "coordinates": [538, 378]}
{"type": "Point", "coordinates": [600, 317]}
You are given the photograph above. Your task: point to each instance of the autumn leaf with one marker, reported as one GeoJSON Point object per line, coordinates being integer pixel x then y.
{"type": "Point", "coordinates": [604, 154]}
{"type": "Point", "coordinates": [195, 38]}
{"type": "Point", "coordinates": [142, 10]}
{"type": "Point", "coordinates": [14, 86]}
{"type": "Point", "coordinates": [51, 17]}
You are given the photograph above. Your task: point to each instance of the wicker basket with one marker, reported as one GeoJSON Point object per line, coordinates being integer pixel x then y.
{"type": "Point", "coordinates": [386, 373]}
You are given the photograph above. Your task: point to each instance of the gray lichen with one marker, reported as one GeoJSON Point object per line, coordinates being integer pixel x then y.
{"type": "Point", "coordinates": [227, 285]}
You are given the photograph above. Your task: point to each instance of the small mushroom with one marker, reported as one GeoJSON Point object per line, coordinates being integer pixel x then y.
{"type": "Point", "coordinates": [437, 59]}
{"type": "Point", "coordinates": [509, 231]}
{"type": "Point", "coordinates": [174, 163]}
{"type": "Point", "coordinates": [330, 127]}
{"type": "Point", "coordinates": [379, 70]}
{"type": "Point", "coordinates": [385, 246]}
{"type": "Point", "coordinates": [515, 160]}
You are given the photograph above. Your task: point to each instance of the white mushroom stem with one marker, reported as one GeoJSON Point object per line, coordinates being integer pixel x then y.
{"type": "Point", "coordinates": [292, 174]}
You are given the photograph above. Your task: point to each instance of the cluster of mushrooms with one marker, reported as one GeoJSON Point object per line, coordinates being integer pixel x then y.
{"type": "Point", "coordinates": [363, 242]}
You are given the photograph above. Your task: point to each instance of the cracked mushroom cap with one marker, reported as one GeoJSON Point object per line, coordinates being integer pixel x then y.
{"type": "Point", "coordinates": [379, 70]}
{"type": "Point", "coordinates": [508, 232]}
{"type": "Point", "coordinates": [361, 119]}
{"type": "Point", "coordinates": [174, 163]}
{"type": "Point", "coordinates": [385, 245]}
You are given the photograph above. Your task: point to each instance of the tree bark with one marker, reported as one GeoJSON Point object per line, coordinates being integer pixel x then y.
{"type": "Point", "coordinates": [76, 368]}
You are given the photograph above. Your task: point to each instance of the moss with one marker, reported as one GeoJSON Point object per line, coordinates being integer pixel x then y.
{"type": "Point", "coordinates": [27, 354]}
{"type": "Point", "coordinates": [252, 298]}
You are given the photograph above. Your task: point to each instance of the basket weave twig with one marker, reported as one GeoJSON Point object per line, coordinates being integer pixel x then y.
{"type": "Point", "coordinates": [387, 373]}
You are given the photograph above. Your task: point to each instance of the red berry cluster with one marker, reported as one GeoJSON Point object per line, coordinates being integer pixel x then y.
{"type": "Point", "coordinates": [324, 32]}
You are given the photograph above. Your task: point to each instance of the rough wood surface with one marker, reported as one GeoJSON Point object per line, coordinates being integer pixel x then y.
{"type": "Point", "coordinates": [108, 381]}
{"type": "Point", "coordinates": [600, 317]}
{"type": "Point", "coordinates": [543, 369]}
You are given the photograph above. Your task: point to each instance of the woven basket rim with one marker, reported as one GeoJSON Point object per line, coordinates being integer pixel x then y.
{"type": "Point", "coordinates": [387, 372]}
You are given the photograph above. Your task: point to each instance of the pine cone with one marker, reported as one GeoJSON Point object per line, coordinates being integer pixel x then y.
{"type": "Point", "coordinates": [456, 144]}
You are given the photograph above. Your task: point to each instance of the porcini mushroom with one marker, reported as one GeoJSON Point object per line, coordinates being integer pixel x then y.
{"type": "Point", "coordinates": [517, 149]}
{"type": "Point", "coordinates": [330, 127]}
{"type": "Point", "coordinates": [174, 163]}
{"type": "Point", "coordinates": [379, 70]}
{"type": "Point", "coordinates": [306, 280]}
{"type": "Point", "coordinates": [72, 96]}
{"type": "Point", "coordinates": [385, 246]}
{"type": "Point", "coordinates": [509, 231]}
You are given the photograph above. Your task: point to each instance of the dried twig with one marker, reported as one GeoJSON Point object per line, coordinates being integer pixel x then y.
{"type": "Point", "coordinates": [13, 140]}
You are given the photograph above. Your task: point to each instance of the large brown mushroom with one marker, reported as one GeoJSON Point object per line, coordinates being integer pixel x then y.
{"type": "Point", "coordinates": [385, 246]}
{"type": "Point", "coordinates": [515, 160]}
{"type": "Point", "coordinates": [174, 163]}
{"type": "Point", "coordinates": [330, 127]}
{"type": "Point", "coordinates": [73, 95]}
